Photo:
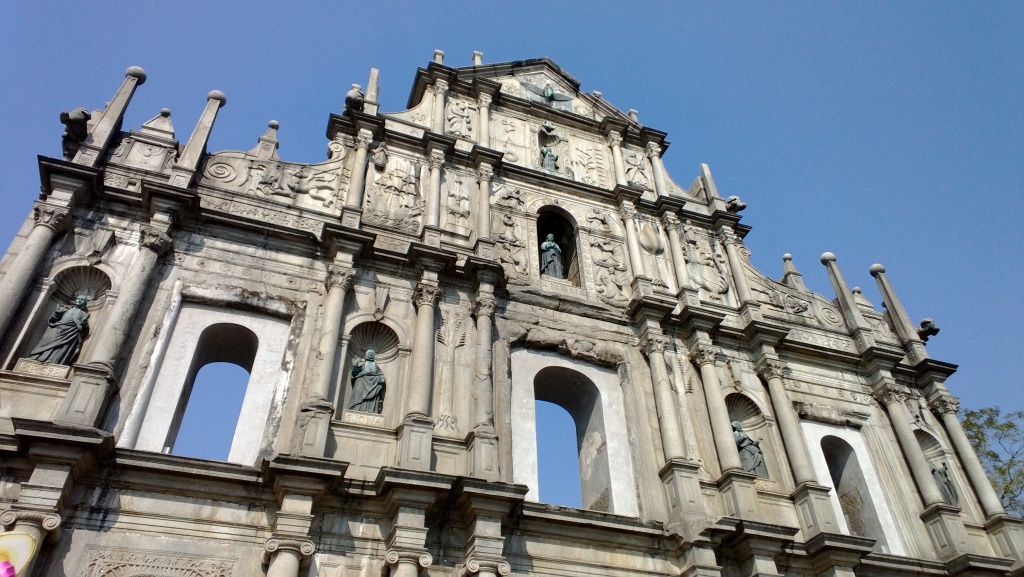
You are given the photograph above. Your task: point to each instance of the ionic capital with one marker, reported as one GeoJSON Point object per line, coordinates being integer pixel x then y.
{"type": "Point", "coordinates": [396, 556]}
{"type": "Point", "coordinates": [486, 304]}
{"type": "Point", "coordinates": [52, 217]}
{"type": "Point", "coordinates": [704, 353]}
{"type": "Point", "coordinates": [653, 150]}
{"type": "Point", "coordinates": [474, 566]}
{"type": "Point", "coordinates": [340, 277]}
{"type": "Point", "coordinates": [772, 368]}
{"type": "Point", "coordinates": [614, 139]}
{"type": "Point", "coordinates": [42, 519]}
{"type": "Point", "coordinates": [154, 239]}
{"type": "Point", "coordinates": [303, 547]}
{"type": "Point", "coordinates": [945, 404]}
{"type": "Point", "coordinates": [425, 294]}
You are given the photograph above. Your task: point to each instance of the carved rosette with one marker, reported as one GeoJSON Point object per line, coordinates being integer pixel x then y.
{"type": "Point", "coordinates": [154, 239]}
{"type": "Point", "coordinates": [772, 369]}
{"type": "Point", "coordinates": [47, 521]}
{"type": "Point", "coordinates": [653, 149]}
{"type": "Point", "coordinates": [485, 306]}
{"type": "Point", "coordinates": [339, 277]}
{"type": "Point", "coordinates": [52, 217]}
{"type": "Point", "coordinates": [705, 354]}
{"type": "Point", "coordinates": [303, 547]}
{"type": "Point", "coordinates": [396, 556]}
{"type": "Point", "coordinates": [425, 294]}
{"type": "Point", "coordinates": [654, 344]}
{"type": "Point", "coordinates": [945, 404]}
{"type": "Point", "coordinates": [474, 566]}
{"type": "Point", "coordinates": [614, 139]}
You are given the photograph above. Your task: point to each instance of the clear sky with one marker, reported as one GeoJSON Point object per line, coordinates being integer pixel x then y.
{"type": "Point", "coordinates": [886, 132]}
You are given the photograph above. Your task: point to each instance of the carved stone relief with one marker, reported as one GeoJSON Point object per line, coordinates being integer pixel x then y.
{"type": "Point", "coordinates": [705, 266]}
{"type": "Point", "coordinates": [589, 164]}
{"type": "Point", "coordinates": [452, 334]}
{"type": "Point", "coordinates": [511, 251]}
{"type": "Point", "coordinates": [126, 563]}
{"type": "Point", "coordinates": [456, 194]}
{"type": "Point", "coordinates": [459, 118]}
{"type": "Point", "coordinates": [393, 197]}
{"type": "Point", "coordinates": [636, 168]}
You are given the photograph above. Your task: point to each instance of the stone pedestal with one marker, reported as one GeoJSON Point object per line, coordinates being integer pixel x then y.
{"type": "Point", "coordinates": [1007, 535]}
{"type": "Point", "coordinates": [946, 529]}
{"type": "Point", "coordinates": [814, 508]}
{"type": "Point", "coordinates": [739, 494]}
{"type": "Point", "coordinates": [86, 398]}
{"type": "Point", "coordinates": [681, 479]}
{"type": "Point", "coordinates": [835, 555]}
{"type": "Point", "coordinates": [483, 455]}
{"type": "Point", "coordinates": [351, 217]}
{"type": "Point", "coordinates": [415, 435]}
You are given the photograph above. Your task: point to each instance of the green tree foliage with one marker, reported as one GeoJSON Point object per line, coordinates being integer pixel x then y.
{"type": "Point", "coordinates": [998, 440]}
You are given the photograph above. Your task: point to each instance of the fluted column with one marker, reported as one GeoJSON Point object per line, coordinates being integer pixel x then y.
{"type": "Point", "coordinates": [628, 213]}
{"type": "Point", "coordinates": [433, 210]}
{"type": "Point", "coordinates": [789, 423]}
{"type": "Point", "coordinates": [484, 134]}
{"type": "Point", "coordinates": [909, 338]}
{"type": "Point", "coordinates": [664, 398]}
{"type": "Point", "coordinates": [721, 426]}
{"type": "Point", "coordinates": [615, 143]}
{"type": "Point", "coordinates": [440, 99]}
{"type": "Point", "coordinates": [946, 408]}
{"type": "Point", "coordinates": [153, 242]}
{"type": "Point", "coordinates": [653, 150]}
{"type": "Point", "coordinates": [731, 242]}
{"type": "Point", "coordinates": [354, 197]}
{"type": "Point", "coordinates": [893, 396]}
{"type": "Point", "coordinates": [484, 173]}
{"type": "Point", "coordinates": [49, 220]}
{"type": "Point", "coordinates": [671, 223]}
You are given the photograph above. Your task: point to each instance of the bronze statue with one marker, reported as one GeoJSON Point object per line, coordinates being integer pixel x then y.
{"type": "Point", "coordinates": [62, 341]}
{"type": "Point", "coordinates": [751, 456]}
{"type": "Point", "coordinates": [368, 385]}
{"type": "Point", "coordinates": [551, 258]}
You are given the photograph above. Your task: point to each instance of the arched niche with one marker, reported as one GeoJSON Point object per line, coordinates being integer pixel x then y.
{"type": "Point", "coordinates": [558, 222]}
{"type": "Point", "coordinates": [942, 467]}
{"type": "Point", "coordinates": [592, 396]}
{"type": "Point", "coordinates": [385, 343]}
{"type": "Point", "coordinates": [745, 411]}
{"type": "Point", "coordinates": [842, 462]}
{"type": "Point", "coordinates": [203, 334]}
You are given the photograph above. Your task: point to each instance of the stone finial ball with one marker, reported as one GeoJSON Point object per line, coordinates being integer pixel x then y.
{"type": "Point", "coordinates": [137, 73]}
{"type": "Point", "coordinates": [218, 96]}
{"type": "Point", "coordinates": [827, 258]}
{"type": "Point", "coordinates": [165, 112]}
{"type": "Point", "coordinates": [876, 269]}
{"type": "Point", "coordinates": [274, 124]}
{"type": "Point", "coordinates": [787, 256]}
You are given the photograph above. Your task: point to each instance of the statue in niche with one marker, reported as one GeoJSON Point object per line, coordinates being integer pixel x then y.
{"type": "Point", "coordinates": [459, 118]}
{"type": "Point", "coordinates": [368, 385]}
{"type": "Point", "coordinates": [751, 456]}
{"type": "Point", "coordinates": [945, 484]}
{"type": "Point", "coordinates": [548, 159]}
{"type": "Point", "coordinates": [62, 341]}
{"type": "Point", "coordinates": [551, 263]}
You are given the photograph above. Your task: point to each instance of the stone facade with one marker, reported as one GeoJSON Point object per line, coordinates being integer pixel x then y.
{"type": "Point", "coordinates": [506, 239]}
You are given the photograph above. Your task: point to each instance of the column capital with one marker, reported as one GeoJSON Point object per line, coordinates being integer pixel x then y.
{"type": "Point", "coordinates": [484, 173]}
{"type": "Point", "coordinates": [484, 99]}
{"type": "Point", "coordinates": [303, 547]}
{"type": "Point", "coordinates": [425, 294]}
{"type": "Point", "coordinates": [154, 239]}
{"type": "Point", "coordinates": [653, 150]}
{"type": "Point", "coordinates": [46, 521]}
{"type": "Point", "coordinates": [944, 404]}
{"type": "Point", "coordinates": [772, 368]}
{"type": "Point", "coordinates": [891, 392]}
{"type": "Point", "coordinates": [363, 139]}
{"type": "Point", "coordinates": [436, 159]}
{"type": "Point", "coordinates": [654, 344]}
{"type": "Point", "coordinates": [474, 566]}
{"type": "Point", "coordinates": [55, 218]}
{"type": "Point", "coordinates": [627, 211]}
{"type": "Point", "coordinates": [440, 86]}
{"type": "Point", "coordinates": [485, 305]}
{"type": "Point", "coordinates": [340, 277]}
{"type": "Point", "coordinates": [396, 556]}
{"type": "Point", "coordinates": [704, 353]}
{"type": "Point", "coordinates": [670, 220]}
{"type": "Point", "coordinates": [614, 139]}
{"type": "Point", "coordinates": [727, 236]}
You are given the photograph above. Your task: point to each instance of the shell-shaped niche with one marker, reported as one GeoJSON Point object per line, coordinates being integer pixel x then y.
{"type": "Point", "coordinates": [376, 336]}
{"type": "Point", "coordinates": [81, 281]}
{"type": "Point", "coordinates": [744, 410]}
{"type": "Point", "coordinates": [650, 240]}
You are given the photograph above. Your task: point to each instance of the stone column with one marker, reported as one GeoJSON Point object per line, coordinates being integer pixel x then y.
{"type": "Point", "coordinates": [317, 409]}
{"type": "Point", "coordinates": [433, 210]}
{"type": "Point", "coordinates": [49, 220]}
{"type": "Point", "coordinates": [354, 197]}
{"type": "Point", "coordinates": [731, 242]}
{"type": "Point", "coordinates": [440, 99]}
{"type": "Point", "coordinates": [671, 223]}
{"type": "Point", "coordinates": [893, 396]}
{"type": "Point", "coordinates": [653, 150]}
{"type": "Point", "coordinates": [484, 134]}
{"type": "Point", "coordinates": [628, 213]}
{"type": "Point", "coordinates": [84, 402]}
{"type": "Point", "coordinates": [286, 555]}
{"type": "Point", "coordinates": [615, 143]}
{"type": "Point", "coordinates": [483, 442]}
{"type": "Point", "coordinates": [417, 429]}
{"type": "Point", "coordinates": [36, 524]}
{"type": "Point", "coordinates": [484, 173]}
{"type": "Point", "coordinates": [664, 398]}
{"type": "Point", "coordinates": [721, 426]}
{"type": "Point", "coordinates": [946, 407]}
{"type": "Point", "coordinates": [789, 422]}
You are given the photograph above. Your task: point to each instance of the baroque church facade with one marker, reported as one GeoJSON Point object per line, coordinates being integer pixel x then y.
{"type": "Point", "coordinates": [400, 307]}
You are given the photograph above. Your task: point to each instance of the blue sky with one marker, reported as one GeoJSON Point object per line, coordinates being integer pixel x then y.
{"type": "Point", "coordinates": [882, 132]}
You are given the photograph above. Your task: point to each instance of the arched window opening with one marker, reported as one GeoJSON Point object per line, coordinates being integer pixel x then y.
{"type": "Point", "coordinates": [211, 415]}
{"type": "Point", "coordinates": [560, 227]}
{"type": "Point", "coordinates": [851, 489]}
{"type": "Point", "coordinates": [558, 464]}
{"type": "Point", "coordinates": [220, 393]}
